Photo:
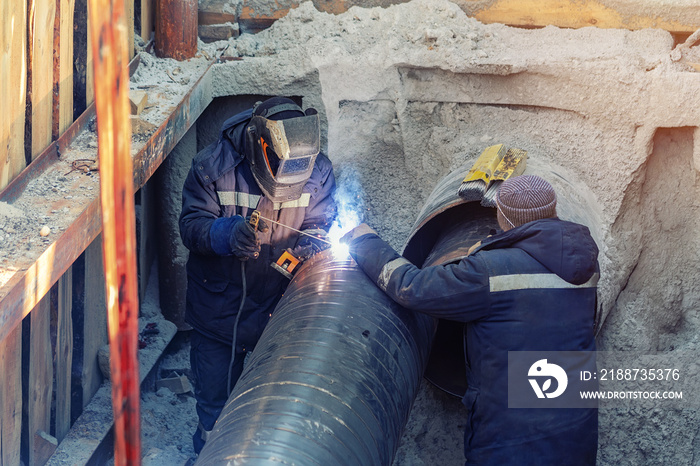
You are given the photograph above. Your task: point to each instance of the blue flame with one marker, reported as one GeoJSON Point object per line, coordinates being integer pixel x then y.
{"type": "Point", "coordinates": [348, 198]}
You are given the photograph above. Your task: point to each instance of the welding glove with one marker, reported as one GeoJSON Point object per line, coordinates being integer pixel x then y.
{"type": "Point", "coordinates": [235, 235]}
{"type": "Point", "coordinates": [243, 240]}
{"type": "Point", "coordinates": [308, 245]}
{"type": "Point", "coordinates": [360, 230]}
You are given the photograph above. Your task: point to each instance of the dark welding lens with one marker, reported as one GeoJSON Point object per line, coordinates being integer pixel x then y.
{"type": "Point", "coordinates": [292, 166]}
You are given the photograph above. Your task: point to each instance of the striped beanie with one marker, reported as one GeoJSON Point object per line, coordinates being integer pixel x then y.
{"type": "Point", "coordinates": [524, 199]}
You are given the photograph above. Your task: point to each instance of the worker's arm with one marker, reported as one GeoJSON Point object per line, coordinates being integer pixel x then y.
{"type": "Point", "coordinates": [457, 292]}
{"type": "Point", "coordinates": [205, 231]}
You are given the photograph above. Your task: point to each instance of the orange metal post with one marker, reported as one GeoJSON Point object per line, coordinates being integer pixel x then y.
{"type": "Point", "coordinates": [109, 36]}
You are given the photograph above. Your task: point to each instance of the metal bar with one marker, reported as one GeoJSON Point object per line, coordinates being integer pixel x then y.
{"type": "Point", "coordinates": [176, 29]}
{"type": "Point", "coordinates": [110, 46]}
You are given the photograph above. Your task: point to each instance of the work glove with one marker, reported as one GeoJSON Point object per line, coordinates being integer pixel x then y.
{"type": "Point", "coordinates": [243, 238]}
{"type": "Point", "coordinates": [308, 245]}
{"type": "Point", "coordinates": [360, 230]}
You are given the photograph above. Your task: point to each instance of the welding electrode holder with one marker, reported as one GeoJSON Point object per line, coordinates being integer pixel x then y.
{"type": "Point", "coordinates": [256, 225]}
{"type": "Point", "coordinates": [254, 219]}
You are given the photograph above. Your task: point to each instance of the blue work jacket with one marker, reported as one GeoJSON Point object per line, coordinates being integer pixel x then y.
{"type": "Point", "coordinates": [532, 288]}
{"type": "Point", "coordinates": [220, 185]}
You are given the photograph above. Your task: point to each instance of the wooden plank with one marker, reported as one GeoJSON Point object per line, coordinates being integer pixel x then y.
{"type": "Point", "coordinates": [44, 446]}
{"type": "Point", "coordinates": [94, 320]}
{"type": "Point", "coordinates": [207, 18]}
{"type": "Point", "coordinates": [635, 14]}
{"type": "Point", "coordinates": [109, 34]}
{"type": "Point", "coordinates": [40, 380]}
{"type": "Point", "coordinates": [55, 103]}
{"type": "Point", "coordinates": [129, 14]}
{"type": "Point", "coordinates": [40, 89]}
{"type": "Point", "coordinates": [64, 354]}
{"type": "Point", "coordinates": [65, 85]}
{"type": "Point", "coordinates": [89, 71]}
{"type": "Point", "coordinates": [11, 398]}
{"type": "Point", "coordinates": [13, 49]}
{"type": "Point", "coordinates": [147, 19]}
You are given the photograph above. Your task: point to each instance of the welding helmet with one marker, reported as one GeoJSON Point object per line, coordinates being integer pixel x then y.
{"type": "Point", "coordinates": [282, 142]}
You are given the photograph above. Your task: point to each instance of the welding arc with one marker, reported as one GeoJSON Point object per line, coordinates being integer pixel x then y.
{"type": "Point", "coordinates": [294, 229]}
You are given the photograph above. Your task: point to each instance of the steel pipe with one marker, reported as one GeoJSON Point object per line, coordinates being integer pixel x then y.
{"type": "Point", "coordinates": [176, 29]}
{"type": "Point", "coordinates": [332, 379]}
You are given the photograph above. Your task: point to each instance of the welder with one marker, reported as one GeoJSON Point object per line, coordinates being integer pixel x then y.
{"type": "Point", "coordinates": [531, 287]}
{"type": "Point", "coordinates": [267, 162]}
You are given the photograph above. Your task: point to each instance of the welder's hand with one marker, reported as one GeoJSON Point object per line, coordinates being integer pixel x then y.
{"type": "Point", "coordinates": [360, 230]}
{"type": "Point", "coordinates": [308, 245]}
{"type": "Point", "coordinates": [243, 240]}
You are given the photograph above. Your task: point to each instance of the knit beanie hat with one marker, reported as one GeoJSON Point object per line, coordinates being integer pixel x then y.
{"type": "Point", "coordinates": [524, 199]}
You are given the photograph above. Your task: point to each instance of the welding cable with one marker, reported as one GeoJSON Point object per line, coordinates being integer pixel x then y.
{"type": "Point", "coordinates": [235, 330]}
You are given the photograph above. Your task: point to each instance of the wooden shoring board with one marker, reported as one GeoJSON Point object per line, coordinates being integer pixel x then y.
{"type": "Point", "coordinates": [148, 9]}
{"type": "Point", "coordinates": [130, 10]}
{"type": "Point", "coordinates": [64, 354]}
{"type": "Point", "coordinates": [13, 88]}
{"type": "Point", "coordinates": [89, 72]}
{"type": "Point", "coordinates": [634, 14]}
{"type": "Point", "coordinates": [94, 320]}
{"type": "Point", "coordinates": [40, 381]}
{"type": "Point", "coordinates": [65, 72]}
{"type": "Point", "coordinates": [11, 398]}
{"type": "Point", "coordinates": [23, 288]}
{"type": "Point", "coordinates": [40, 45]}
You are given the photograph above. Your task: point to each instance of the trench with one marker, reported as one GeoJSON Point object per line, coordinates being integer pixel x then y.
{"type": "Point", "coordinates": [389, 154]}
{"type": "Point", "coordinates": [394, 189]}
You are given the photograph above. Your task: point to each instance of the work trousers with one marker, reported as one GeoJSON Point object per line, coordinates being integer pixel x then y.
{"type": "Point", "coordinates": [210, 360]}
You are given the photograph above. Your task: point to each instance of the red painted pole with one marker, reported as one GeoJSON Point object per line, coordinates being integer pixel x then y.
{"type": "Point", "coordinates": [109, 36]}
{"type": "Point", "coordinates": [176, 29]}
